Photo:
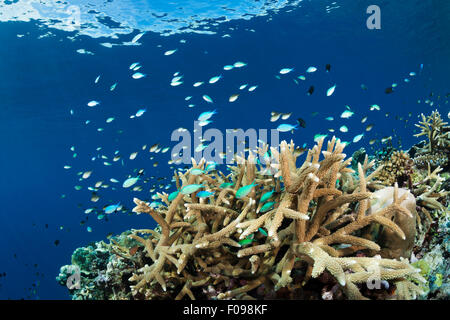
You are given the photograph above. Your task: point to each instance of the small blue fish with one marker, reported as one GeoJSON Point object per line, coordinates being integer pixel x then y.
{"type": "Point", "coordinates": [155, 204]}
{"type": "Point", "coordinates": [210, 167]}
{"type": "Point", "coordinates": [197, 172]}
{"type": "Point", "coordinates": [266, 207]}
{"type": "Point", "coordinates": [140, 112]}
{"type": "Point", "coordinates": [201, 147]}
{"type": "Point", "coordinates": [138, 75]}
{"type": "Point", "coordinates": [112, 208]}
{"type": "Point", "coordinates": [93, 103]}
{"type": "Point", "coordinates": [358, 137]}
{"type": "Point", "coordinates": [286, 70]}
{"type": "Point", "coordinates": [245, 190]}
{"type": "Point", "coordinates": [134, 65]}
{"type": "Point", "coordinates": [204, 194]}
{"type": "Point", "coordinates": [130, 182]}
{"type": "Point", "coordinates": [191, 188]}
{"type": "Point", "coordinates": [173, 195]}
{"type": "Point", "coordinates": [239, 64]}
{"type": "Point", "coordinates": [204, 123]}
{"type": "Point", "coordinates": [263, 232]}
{"type": "Point", "coordinates": [246, 241]}
{"type": "Point", "coordinates": [285, 127]}
{"type": "Point", "coordinates": [207, 98]}
{"type": "Point", "coordinates": [266, 196]}
{"type": "Point", "coordinates": [215, 79]}
{"type": "Point", "coordinates": [226, 185]}
{"type": "Point", "coordinates": [347, 114]}
{"type": "Point", "coordinates": [206, 115]}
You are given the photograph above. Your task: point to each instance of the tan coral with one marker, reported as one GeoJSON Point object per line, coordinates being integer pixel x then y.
{"type": "Point", "coordinates": [397, 168]}
{"type": "Point", "coordinates": [392, 245]}
{"type": "Point", "coordinates": [313, 217]}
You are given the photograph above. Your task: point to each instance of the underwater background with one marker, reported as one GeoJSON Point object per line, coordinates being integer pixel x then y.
{"type": "Point", "coordinates": [50, 71]}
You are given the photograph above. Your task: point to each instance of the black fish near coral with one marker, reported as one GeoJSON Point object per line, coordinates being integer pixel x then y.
{"type": "Point", "coordinates": [389, 90]}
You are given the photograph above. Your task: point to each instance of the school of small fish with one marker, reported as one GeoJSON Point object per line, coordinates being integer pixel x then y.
{"type": "Point", "coordinates": [202, 96]}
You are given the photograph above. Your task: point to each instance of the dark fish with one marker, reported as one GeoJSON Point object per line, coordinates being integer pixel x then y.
{"type": "Point", "coordinates": [133, 250]}
{"type": "Point", "coordinates": [310, 90]}
{"type": "Point", "coordinates": [389, 90]}
{"type": "Point", "coordinates": [56, 242]}
{"type": "Point", "coordinates": [328, 67]}
{"type": "Point", "coordinates": [301, 122]}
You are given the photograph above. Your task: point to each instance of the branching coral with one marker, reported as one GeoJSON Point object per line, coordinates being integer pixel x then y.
{"type": "Point", "coordinates": [436, 130]}
{"type": "Point", "coordinates": [436, 149]}
{"type": "Point", "coordinates": [428, 189]}
{"type": "Point", "coordinates": [315, 227]}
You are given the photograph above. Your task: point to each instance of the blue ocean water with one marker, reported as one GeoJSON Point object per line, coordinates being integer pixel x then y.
{"type": "Point", "coordinates": [46, 83]}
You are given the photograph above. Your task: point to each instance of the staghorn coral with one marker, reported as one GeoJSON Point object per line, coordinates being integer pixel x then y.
{"type": "Point", "coordinates": [429, 189]}
{"type": "Point", "coordinates": [313, 233]}
{"type": "Point", "coordinates": [435, 150]}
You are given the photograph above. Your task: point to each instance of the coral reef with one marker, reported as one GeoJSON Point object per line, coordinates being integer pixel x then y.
{"type": "Point", "coordinates": [331, 228]}
{"type": "Point", "coordinates": [310, 241]}
{"type": "Point", "coordinates": [99, 272]}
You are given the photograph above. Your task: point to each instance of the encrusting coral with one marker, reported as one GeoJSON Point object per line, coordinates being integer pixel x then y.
{"type": "Point", "coordinates": [314, 229]}
{"type": "Point", "coordinates": [397, 168]}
